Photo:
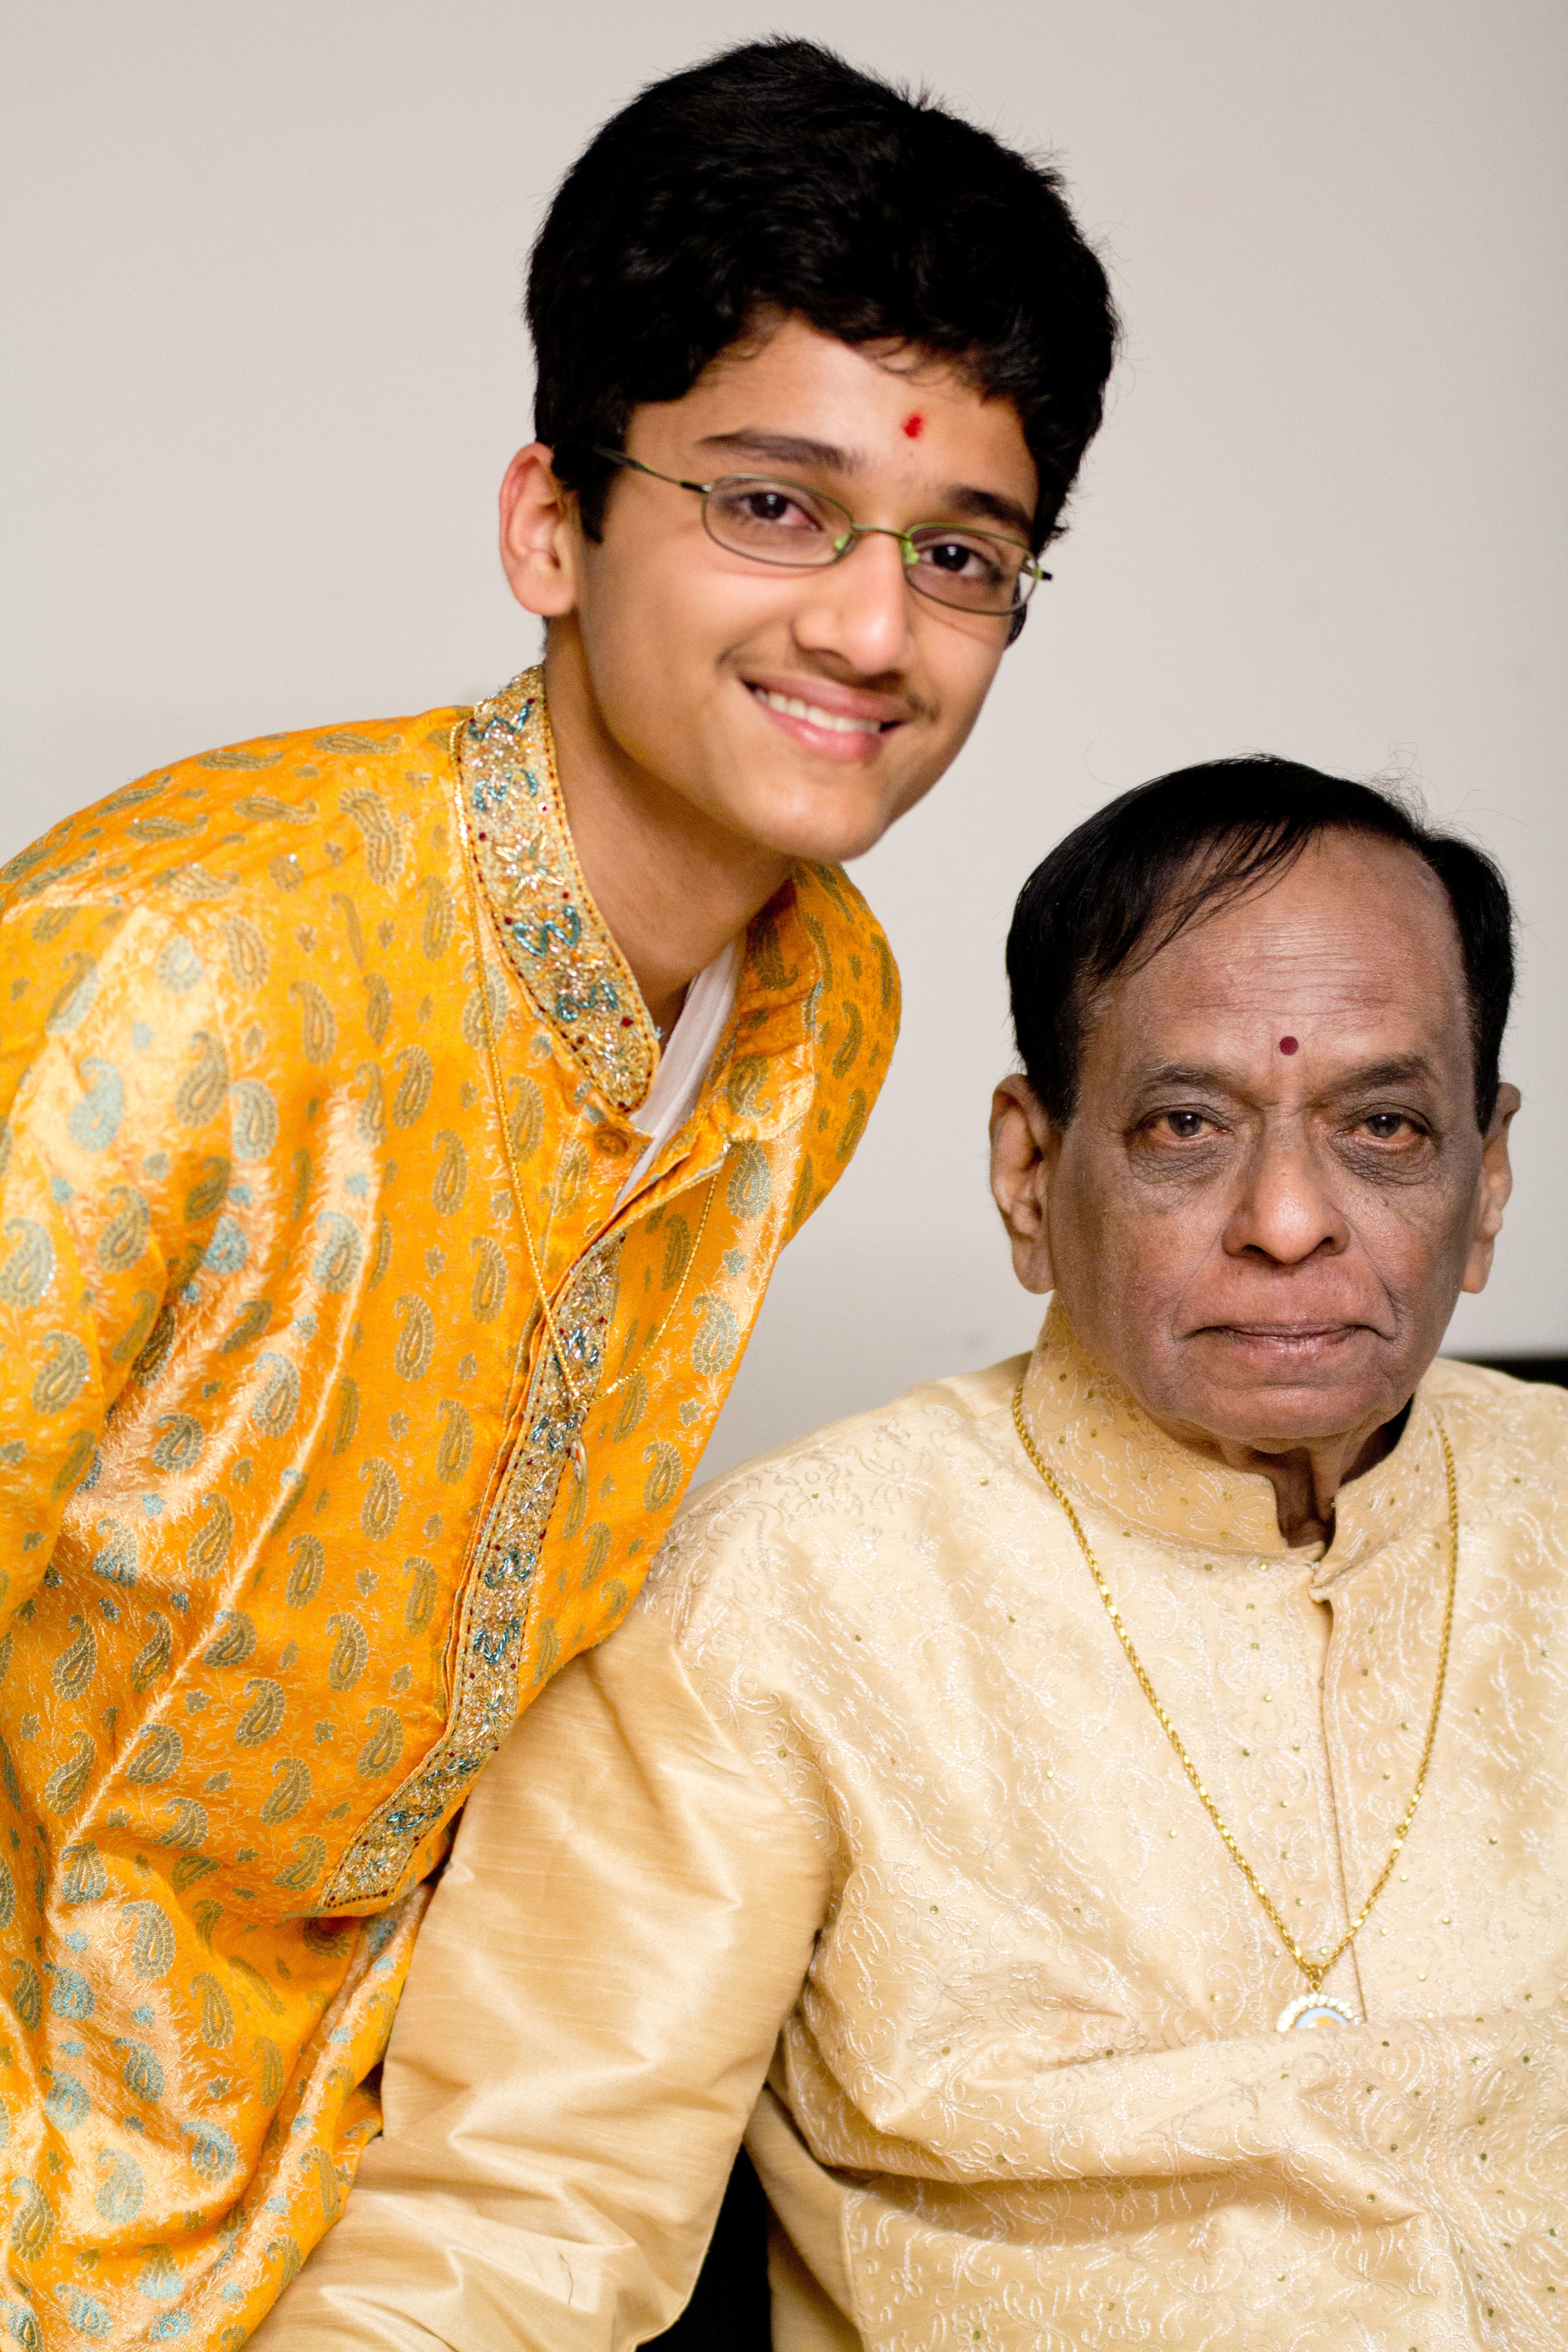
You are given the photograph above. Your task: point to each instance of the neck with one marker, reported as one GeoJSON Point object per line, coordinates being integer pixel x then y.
{"type": "Point", "coordinates": [673, 885]}
{"type": "Point", "coordinates": [1305, 1479]}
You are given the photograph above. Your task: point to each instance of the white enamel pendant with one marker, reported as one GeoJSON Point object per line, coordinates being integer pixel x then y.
{"type": "Point", "coordinates": [1313, 2008]}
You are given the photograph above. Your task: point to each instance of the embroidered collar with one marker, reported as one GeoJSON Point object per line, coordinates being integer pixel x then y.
{"type": "Point", "coordinates": [555, 936]}
{"type": "Point", "coordinates": [1110, 1451]}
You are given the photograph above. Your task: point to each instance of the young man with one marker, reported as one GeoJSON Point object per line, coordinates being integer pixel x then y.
{"type": "Point", "coordinates": [1099, 1825]}
{"type": "Point", "coordinates": [403, 1119]}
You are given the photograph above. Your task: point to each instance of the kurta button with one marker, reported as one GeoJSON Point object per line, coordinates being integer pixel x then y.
{"type": "Point", "coordinates": [608, 1140]}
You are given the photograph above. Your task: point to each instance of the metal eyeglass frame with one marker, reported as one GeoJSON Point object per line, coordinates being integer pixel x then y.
{"type": "Point", "coordinates": [1032, 571]}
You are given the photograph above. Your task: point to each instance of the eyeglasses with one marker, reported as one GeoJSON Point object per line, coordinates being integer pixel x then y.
{"type": "Point", "coordinates": [784, 523]}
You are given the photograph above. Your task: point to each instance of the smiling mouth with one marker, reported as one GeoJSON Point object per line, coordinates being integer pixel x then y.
{"type": "Point", "coordinates": [832, 722]}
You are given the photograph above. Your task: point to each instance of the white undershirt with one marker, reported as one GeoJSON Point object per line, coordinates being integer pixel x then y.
{"type": "Point", "coordinates": [684, 1060]}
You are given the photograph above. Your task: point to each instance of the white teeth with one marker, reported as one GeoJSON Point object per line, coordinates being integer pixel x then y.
{"type": "Point", "coordinates": [795, 708]}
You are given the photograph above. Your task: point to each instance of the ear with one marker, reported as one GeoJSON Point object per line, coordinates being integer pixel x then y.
{"type": "Point", "coordinates": [1492, 1189]}
{"type": "Point", "coordinates": [1024, 1149]}
{"type": "Point", "coordinates": [541, 535]}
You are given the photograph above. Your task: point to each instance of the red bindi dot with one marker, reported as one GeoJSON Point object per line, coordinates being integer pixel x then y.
{"type": "Point", "coordinates": [914, 424]}
{"type": "Point", "coordinates": [1288, 1044]}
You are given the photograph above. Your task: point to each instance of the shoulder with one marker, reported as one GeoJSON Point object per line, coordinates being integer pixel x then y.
{"type": "Point", "coordinates": [818, 956]}
{"type": "Point", "coordinates": [274, 811]}
{"type": "Point", "coordinates": [850, 941]}
{"type": "Point", "coordinates": [1509, 1438]}
{"type": "Point", "coordinates": [856, 1501]}
{"type": "Point", "coordinates": [1481, 1402]}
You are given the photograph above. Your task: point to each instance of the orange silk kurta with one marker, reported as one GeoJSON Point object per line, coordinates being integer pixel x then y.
{"type": "Point", "coordinates": [296, 1517]}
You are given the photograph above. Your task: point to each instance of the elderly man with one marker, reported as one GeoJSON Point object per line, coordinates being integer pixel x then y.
{"type": "Point", "coordinates": [988, 1793]}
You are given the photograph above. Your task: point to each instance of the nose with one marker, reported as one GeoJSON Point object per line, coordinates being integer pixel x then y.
{"type": "Point", "coordinates": [1286, 1211]}
{"type": "Point", "coordinates": [858, 608]}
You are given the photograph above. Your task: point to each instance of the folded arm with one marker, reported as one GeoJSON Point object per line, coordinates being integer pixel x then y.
{"type": "Point", "coordinates": [624, 1923]}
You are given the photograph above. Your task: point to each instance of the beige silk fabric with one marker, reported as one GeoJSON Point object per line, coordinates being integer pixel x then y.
{"type": "Point", "coordinates": [865, 1799]}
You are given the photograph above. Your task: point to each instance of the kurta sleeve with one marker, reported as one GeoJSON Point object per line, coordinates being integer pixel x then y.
{"type": "Point", "coordinates": [625, 1923]}
{"type": "Point", "coordinates": [116, 1159]}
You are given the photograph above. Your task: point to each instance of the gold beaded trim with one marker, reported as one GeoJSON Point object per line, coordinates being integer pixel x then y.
{"type": "Point", "coordinates": [553, 934]}
{"type": "Point", "coordinates": [491, 1639]}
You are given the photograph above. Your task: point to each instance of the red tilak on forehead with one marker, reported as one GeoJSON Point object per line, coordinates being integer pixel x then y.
{"type": "Point", "coordinates": [1288, 1044]}
{"type": "Point", "coordinates": [914, 424]}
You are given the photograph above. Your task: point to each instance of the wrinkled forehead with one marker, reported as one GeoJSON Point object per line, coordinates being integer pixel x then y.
{"type": "Point", "coordinates": [1354, 941]}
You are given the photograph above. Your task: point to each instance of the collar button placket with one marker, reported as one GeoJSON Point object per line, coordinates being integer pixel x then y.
{"type": "Point", "coordinates": [1315, 1963]}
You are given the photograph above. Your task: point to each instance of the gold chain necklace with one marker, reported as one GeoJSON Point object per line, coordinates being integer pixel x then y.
{"type": "Point", "coordinates": [1314, 2008]}
{"type": "Point", "coordinates": [581, 1398]}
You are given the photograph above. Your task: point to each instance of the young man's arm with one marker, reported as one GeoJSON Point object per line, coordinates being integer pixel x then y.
{"type": "Point", "coordinates": [626, 1922]}
{"type": "Point", "coordinates": [116, 1159]}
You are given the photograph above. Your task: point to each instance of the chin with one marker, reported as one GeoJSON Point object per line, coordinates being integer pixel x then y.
{"type": "Point", "coordinates": [1275, 1406]}
{"type": "Point", "coordinates": [828, 826]}
{"type": "Point", "coordinates": [1273, 1420]}
{"type": "Point", "coordinates": [1282, 1432]}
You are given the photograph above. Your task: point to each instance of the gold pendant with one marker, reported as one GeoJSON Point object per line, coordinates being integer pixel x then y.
{"type": "Point", "coordinates": [1311, 2009]}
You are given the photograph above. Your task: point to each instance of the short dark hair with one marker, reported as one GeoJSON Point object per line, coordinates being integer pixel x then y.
{"type": "Point", "coordinates": [778, 178]}
{"type": "Point", "coordinates": [1138, 871]}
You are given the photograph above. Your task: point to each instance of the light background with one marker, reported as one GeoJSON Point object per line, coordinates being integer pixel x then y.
{"type": "Point", "coordinates": [263, 369]}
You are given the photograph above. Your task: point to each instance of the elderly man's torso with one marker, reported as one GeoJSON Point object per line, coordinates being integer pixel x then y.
{"type": "Point", "coordinates": [1033, 2090]}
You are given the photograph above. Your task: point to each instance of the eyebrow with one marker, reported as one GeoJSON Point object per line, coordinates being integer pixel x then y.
{"type": "Point", "coordinates": [1398, 1070]}
{"type": "Point", "coordinates": [961, 499]}
{"type": "Point", "coordinates": [988, 506]}
{"type": "Point", "coordinates": [787, 449]}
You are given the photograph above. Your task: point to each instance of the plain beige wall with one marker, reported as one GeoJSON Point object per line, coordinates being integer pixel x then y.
{"type": "Point", "coordinates": [263, 370]}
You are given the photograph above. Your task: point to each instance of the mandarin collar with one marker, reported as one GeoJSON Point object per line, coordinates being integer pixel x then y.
{"type": "Point", "coordinates": [558, 943]}
{"type": "Point", "coordinates": [1101, 1444]}
{"type": "Point", "coordinates": [557, 940]}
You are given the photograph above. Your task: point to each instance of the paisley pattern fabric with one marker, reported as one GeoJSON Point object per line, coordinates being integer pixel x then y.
{"type": "Point", "coordinates": [293, 1526]}
{"type": "Point", "coordinates": [891, 1825]}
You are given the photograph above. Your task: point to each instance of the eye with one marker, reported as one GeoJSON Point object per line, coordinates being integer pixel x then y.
{"type": "Point", "coordinates": [974, 560]}
{"type": "Point", "coordinates": [1392, 1128]}
{"type": "Point", "coordinates": [763, 510]}
{"type": "Point", "coordinates": [772, 506]}
{"type": "Point", "coordinates": [1180, 1141]}
{"type": "Point", "coordinates": [1390, 1143]}
{"type": "Point", "coordinates": [1385, 1124]}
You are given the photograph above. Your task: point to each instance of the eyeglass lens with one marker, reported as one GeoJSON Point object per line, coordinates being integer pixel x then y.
{"type": "Point", "coordinates": [782, 522]}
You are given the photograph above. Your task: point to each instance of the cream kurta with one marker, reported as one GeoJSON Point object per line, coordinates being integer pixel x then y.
{"type": "Point", "coordinates": [866, 1789]}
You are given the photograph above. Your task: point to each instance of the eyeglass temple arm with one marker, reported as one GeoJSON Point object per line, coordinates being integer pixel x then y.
{"type": "Point", "coordinates": [623, 457]}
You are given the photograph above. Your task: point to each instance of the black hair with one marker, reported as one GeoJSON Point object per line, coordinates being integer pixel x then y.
{"type": "Point", "coordinates": [776, 178]}
{"type": "Point", "coordinates": [1138, 871]}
